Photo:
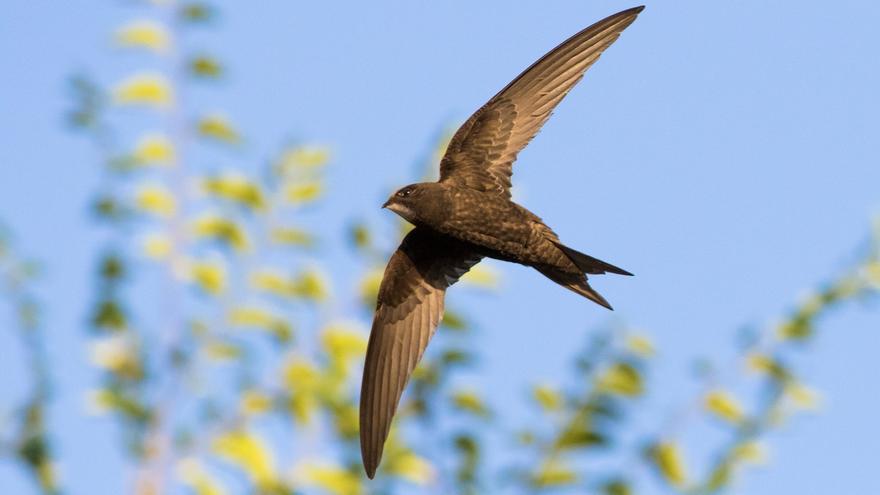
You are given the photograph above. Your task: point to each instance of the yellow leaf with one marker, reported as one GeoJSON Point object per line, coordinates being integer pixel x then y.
{"type": "Point", "coordinates": [255, 402]}
{"type": "Point", "coordinates": [310, 284]}
{"type": "Point", "coordinates": [303, 157]}
{"type": "Point", "coordinates": [144, 89]}
{"type": "Point", "coordinates": [871, 272]}
{"type": "Point", "coordinates": [249, 453]}
{"type": "Point", "coordinates": [669, 462]}
{"type": "Point", "coordinates": [157, 246]}
{"type": "Point", "coordinates": [221, 351]}
{"type": "Point", "coordinates": [252, 316]}
{"type": "Point", "coordinates": [292, 236]}
{"type": "Point", "coordinates": [154, 149]}
{"type": "Point", "coordinates": [640, 345]}
{"type": "Point", "coordinates": [329, 477]}
{"type": "Point", "coordinates": [209, 276]}
{"type": "Point", "coordinates": [347, 421]}
{"type": "Point", "coordinates": [803, 396]}
{"type": "Point", "coordinates": [221, 229]}
{"type": "Point", "coordinates": [766, 365]}
{"type": "Point", "coordinates": [303, 192]}
{"type": "Point", "coordinates": [218, 127]}
{"type": "Point", "coordinates": [723, 405]}
{"type": "Point", "coordinates": [155, 199]}
{"type": "Point", "coordinates": [411, 467]}
{"type": "Point", "coordinates": [236, 188]}
{"type": "Point", "coordinates": [620, 379]}
{"type": "Point", "coordinates": [343, 342]}
{"type": "Point", "coordinates": [302, 381]}
{"type": "Point", "coordinates": [47, 474]}
{"type": "Point", "coordinates": [753, 452]}
{"type": "Point", "coordinates": [269, 281]}
{"type": "Point", "coordinates": [194, 475]}
{"type": "Point", "coordinates": [143, 34]}
{"type": "Point", "coordinates": [547, 397]}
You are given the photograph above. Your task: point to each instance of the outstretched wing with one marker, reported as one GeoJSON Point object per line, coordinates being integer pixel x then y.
{"type": "Point", "coordinates": [409, 308]}
{"type": "Point", "coordinates": [481, 153]}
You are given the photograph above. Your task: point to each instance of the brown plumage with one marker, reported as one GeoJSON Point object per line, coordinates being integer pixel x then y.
{"type": "Point", "coordinates": [468, 215]}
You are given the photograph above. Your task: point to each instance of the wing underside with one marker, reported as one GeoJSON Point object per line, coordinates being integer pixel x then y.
{"type": "Point", "coordinates": [409, 308]}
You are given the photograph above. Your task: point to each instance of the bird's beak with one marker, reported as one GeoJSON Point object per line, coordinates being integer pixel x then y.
{"type": "Point", "coordinates": [385, 205]}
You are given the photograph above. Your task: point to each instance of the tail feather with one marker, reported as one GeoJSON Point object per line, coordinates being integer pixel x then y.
{"type": "Point", "coordinates": [576, 283]}
{"type": "Point", "coordinates": [589, 264]}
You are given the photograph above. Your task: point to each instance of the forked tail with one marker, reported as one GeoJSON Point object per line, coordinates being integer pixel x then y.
{"type": "Point", "coordinates": [590, 265]}
{"type": "Point", "coordinates": [575, 282]}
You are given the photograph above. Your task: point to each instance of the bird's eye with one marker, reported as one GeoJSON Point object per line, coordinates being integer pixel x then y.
{"type": "Point", "coordinates": [404, 192]}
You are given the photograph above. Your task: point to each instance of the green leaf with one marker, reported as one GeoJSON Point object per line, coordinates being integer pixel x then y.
{"type": "Point", "coordinates": [553, 473]}
{"type": "Point", "coordinates": [108, 208]}
{"type": "Point", "coordinates": [205, 66]}
{"type": "Point", "coordinates": [451, 357]}
{"type": "Point", "coordinates": [360, 236]}
{"type": "Point", "coordinates": [719, 478]}
{"type": "Point", "coordinates": [109, 315]}
{"type": "Point", "coordinates": [197, 12]}
{"type": "Point", "coordinates": [112, 268]}
{"type": "Point", "coordinates": [454, 320]}
{"type": "Point", "coordinates": [580, 436]}
{"type": "Point", "coordinates": [470, 402]}
{"type": "Point", "coordinates": [617, 487]}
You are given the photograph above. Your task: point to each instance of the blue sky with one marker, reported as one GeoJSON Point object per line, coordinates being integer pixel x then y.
{"type": "Point", "coordinates": [725, 152]}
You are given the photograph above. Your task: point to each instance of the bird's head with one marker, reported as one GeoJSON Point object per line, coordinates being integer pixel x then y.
{"type": "Point", "coordinates": [410, 202]}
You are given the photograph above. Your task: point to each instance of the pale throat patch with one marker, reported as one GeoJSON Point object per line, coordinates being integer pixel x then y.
{"type": "Point", "coordinates": [404, 211]}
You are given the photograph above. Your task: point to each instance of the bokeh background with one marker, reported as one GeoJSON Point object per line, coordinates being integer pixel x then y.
{"type": "Point", "coordinates": [190, 195]}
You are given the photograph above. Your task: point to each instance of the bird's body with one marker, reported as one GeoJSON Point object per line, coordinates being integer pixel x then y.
{"type": "Point", "coordinates": [494, 226]}
{"type": "Point", "coordinates": [468, 215]}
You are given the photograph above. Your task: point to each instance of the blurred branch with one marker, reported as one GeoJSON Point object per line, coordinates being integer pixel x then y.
{"type": "Point", "coordinates": [778, 390]}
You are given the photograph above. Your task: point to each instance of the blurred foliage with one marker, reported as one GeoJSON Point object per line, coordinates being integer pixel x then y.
{"type": "Point", "coordinates": [230, 363]}
{"type": "Point", "coordinates": [223, 358]}
{"type": "Point", "coordinates": [26, 438]}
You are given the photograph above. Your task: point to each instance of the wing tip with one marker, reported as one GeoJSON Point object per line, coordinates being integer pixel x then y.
{"type": "Point", "coordinates": [370, 457]}
{"type": "Point", "coordinates": [370, 470]}
{"type": "Point", "coordinates": [630, 13]}
{"type": "Point", "coordinates": [633, 10]}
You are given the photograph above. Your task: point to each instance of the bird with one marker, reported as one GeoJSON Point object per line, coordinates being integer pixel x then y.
{"type": "Point", "coordinates": [468, 215]}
